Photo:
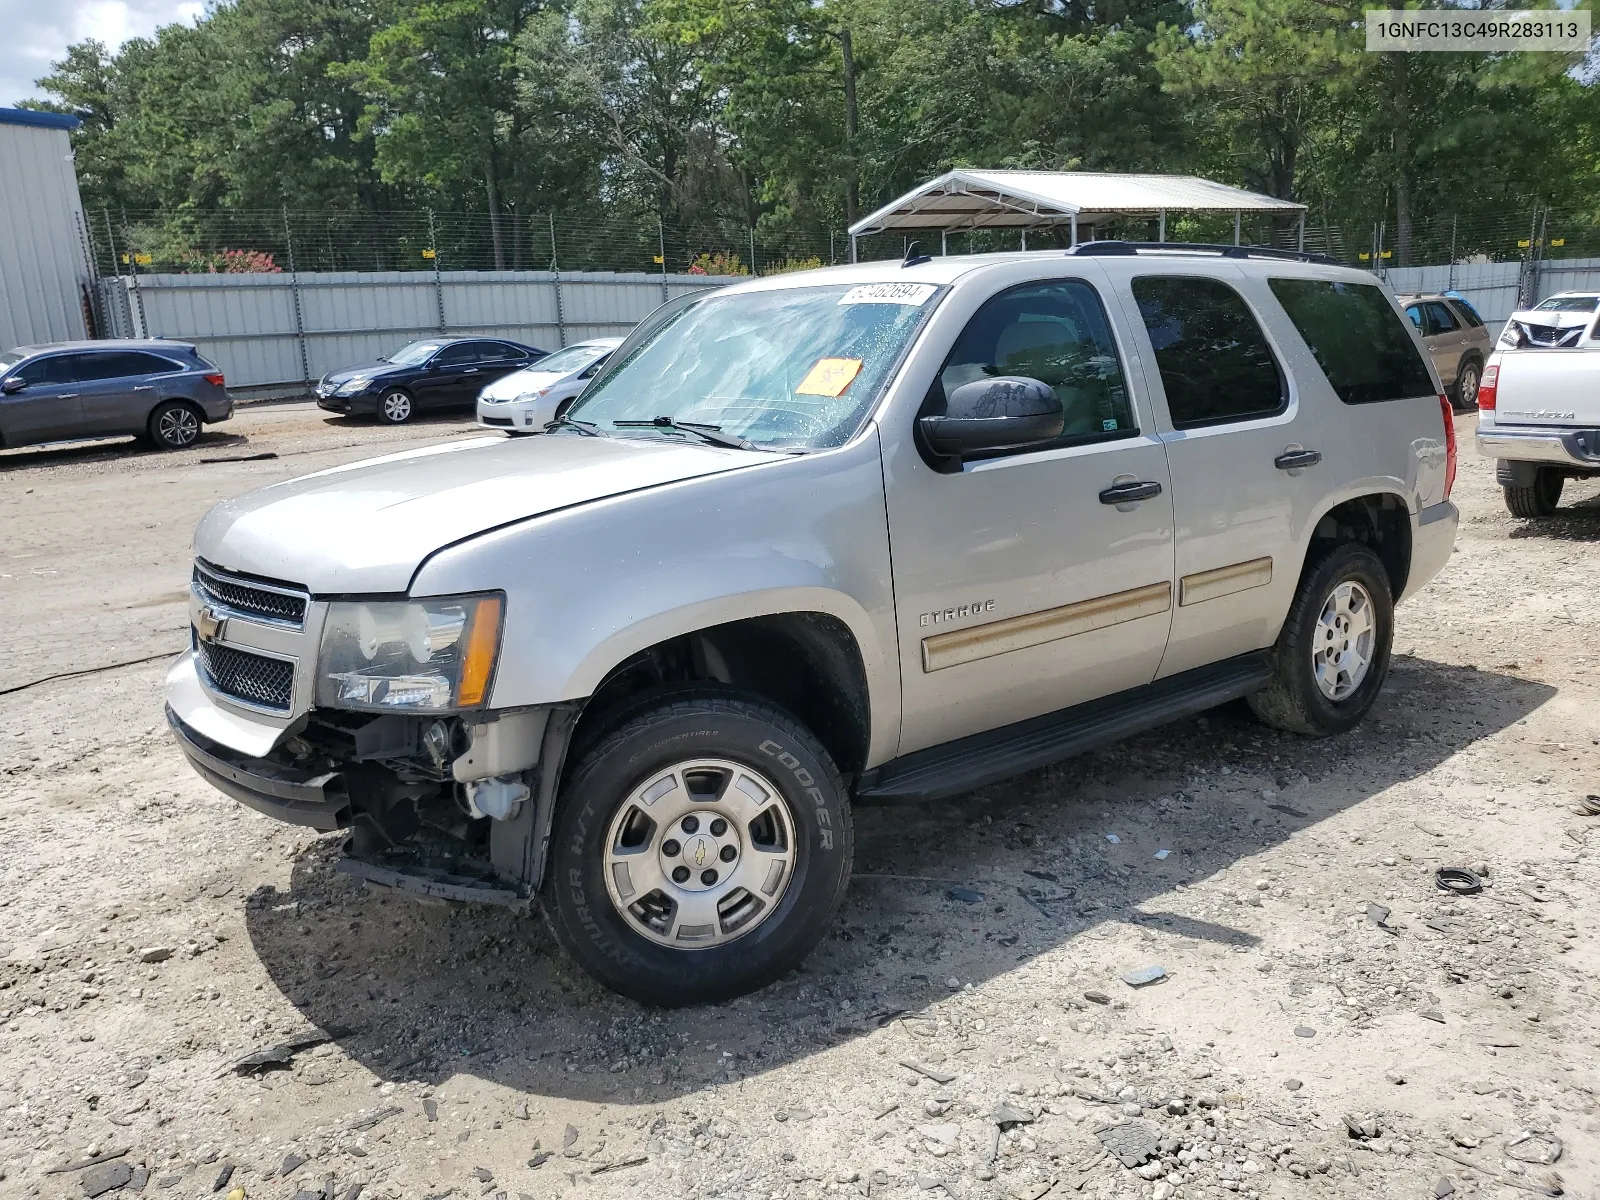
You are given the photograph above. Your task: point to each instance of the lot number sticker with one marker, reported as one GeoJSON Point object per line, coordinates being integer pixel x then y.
{"type": "Point", "coordinates": [829, 377]}
{"type": "Point", "coordinates": [913, 294]}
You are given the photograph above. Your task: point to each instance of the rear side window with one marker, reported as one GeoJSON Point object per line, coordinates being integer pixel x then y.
{"type": "Point", "coordinates": [1466, 314]}
{"type": "Point", "coordinates": [1357, 338]}
{"type": "Point", "coordinates": [1214, 359]}
{"type": "Point", "coordinates": [1441, 319]}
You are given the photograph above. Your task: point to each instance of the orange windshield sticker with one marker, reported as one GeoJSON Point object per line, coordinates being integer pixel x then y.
{"type": "Point", "coordinates": [829, 377]}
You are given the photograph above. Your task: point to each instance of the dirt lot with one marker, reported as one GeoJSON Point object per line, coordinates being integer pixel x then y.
{"type": "Point", "coordinates": [152, 932]}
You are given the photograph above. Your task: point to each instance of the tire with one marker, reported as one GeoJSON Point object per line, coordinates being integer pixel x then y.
{"type": "Point", "coordinates": [395, 407]}
{"type": "Point", "coordinates": [173, 425]}
{"type": "Point", "coordinates": [1299, 698]}
{"type": "Point", "coordinates": [610, 892]}
{"type": "Point", "coordinates": [1538, 500]}
{"type": "Point", "coordinates": [1464, 396]}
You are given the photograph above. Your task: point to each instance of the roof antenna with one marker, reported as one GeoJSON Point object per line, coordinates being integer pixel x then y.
{"type": "Point", "coordinates": [913, 258]}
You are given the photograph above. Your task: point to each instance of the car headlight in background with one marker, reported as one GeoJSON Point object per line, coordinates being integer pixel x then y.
{"type": "Point", "coordinates": [416, 655]}
{"type": "Point", "coordinates": [524, 397]}
{"type": "Point", "coordinates": [352, 387]}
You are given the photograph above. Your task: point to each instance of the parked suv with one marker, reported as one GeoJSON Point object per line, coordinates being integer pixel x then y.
{"type": "Point", "coordinates": [162, 391]}
{"type": "Point", "coordinates": [1456, 340]}
{"type": "Point", "coordinates": [869, 532]}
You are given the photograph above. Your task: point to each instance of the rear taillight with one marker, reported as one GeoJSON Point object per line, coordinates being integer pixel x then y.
{"type": "Point", "coordinates": [1449, 444]}
{"type": "Point", "coordinates": [216, 378]}
{"type": "Point", "coordinates": [1488, 385]}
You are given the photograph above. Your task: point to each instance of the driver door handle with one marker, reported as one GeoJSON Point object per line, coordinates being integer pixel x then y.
{"type": "Point", "coordinates": [1127, 493]}
{"type": "Point", "coordinates": [1293, 460]}
{"type": "Point", "coordinates": [470, 371]}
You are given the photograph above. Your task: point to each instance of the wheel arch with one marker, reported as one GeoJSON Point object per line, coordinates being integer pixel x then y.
{"type": "Point", "coordinates": [807, 661]}
{"type": "Point", "coordinates": [1379, 520]}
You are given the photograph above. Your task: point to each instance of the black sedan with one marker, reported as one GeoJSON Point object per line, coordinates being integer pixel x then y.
{"type": "Point", "coordinates": [428, 375]}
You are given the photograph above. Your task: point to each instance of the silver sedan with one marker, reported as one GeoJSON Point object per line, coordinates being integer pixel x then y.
{"type": "Point", "coordinates": [528, 400]}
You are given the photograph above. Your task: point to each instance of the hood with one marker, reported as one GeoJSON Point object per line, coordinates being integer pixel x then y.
{"type": "Point", "coordinates": [1547, 328]}
{"type": "Point", "coordinates": [371, 370]}
{"type": "Point", "coordinates": [529, 379]}
{"type": "Point", "coordinates": [366, 527]}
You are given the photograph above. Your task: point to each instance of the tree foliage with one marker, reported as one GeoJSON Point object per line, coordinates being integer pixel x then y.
{"type": "Point", "coordinates": [743, 111]}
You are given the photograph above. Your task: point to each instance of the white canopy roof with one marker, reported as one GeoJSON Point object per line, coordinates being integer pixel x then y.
{"type": "Point", "coordinates": [960, 200]}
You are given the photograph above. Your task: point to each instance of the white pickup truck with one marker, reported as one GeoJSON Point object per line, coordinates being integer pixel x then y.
{"type": "Point", "coordinates": [1539, 402]}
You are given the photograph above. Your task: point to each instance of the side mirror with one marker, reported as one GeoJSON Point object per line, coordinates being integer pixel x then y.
{"type": "Point", "coordinates": [14, 383]}
{"type": "Point", "coordinates": [1007, 412]}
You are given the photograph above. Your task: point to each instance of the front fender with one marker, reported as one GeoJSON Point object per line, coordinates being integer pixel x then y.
{"type": "Point", "coordinates": [588, 587]}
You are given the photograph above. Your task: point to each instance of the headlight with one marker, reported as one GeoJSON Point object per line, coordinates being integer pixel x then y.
{"type": "Point", "coordinates": [526, 396]}
{"type": "Point", "coordinates": [1510, 337]}
{"type": "Point", "coordinates": [417, 655]}
{"type": "Point", "coordinates": [351, 387]}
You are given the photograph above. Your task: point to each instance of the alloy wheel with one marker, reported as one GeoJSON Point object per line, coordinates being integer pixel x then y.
{"type": "Point", "coordinates": [396, 407]}
{"type": "Point", "coordinates": [1342, 646]}
{"type": "Point", "coordinates": [700, 853]}
{"type": "Point", "coordinates": [177, 426]}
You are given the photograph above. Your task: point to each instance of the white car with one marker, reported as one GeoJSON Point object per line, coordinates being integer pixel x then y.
{"type": "Point", "coordinates": [528, 400]}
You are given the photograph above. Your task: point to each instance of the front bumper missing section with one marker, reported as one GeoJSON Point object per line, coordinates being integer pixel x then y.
{"type": "Point", "coordinates": [318, 800]}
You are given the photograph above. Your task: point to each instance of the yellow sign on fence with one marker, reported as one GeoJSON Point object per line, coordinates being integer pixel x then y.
{"type": "Point", "coordinates": [429, 254]}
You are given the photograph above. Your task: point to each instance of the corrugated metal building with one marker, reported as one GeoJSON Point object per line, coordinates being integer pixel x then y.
{"type": "Point", "coordinates": [43, 263]}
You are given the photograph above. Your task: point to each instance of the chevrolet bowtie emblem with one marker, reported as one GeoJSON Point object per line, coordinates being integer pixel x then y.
{"type": "Point", "coordinates": [209, 625]}
{"type": "Point", "coordinates": [700, 854]}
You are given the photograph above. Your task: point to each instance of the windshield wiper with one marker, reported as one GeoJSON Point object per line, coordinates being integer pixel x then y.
{"type": "Point", "coordinates": [710, 433]}
{"type": "Point", "coordinates": [587, 428]}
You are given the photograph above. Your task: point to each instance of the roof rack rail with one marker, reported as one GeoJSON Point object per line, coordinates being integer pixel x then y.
{"type": "Point", "coordinates": [1116, 247]}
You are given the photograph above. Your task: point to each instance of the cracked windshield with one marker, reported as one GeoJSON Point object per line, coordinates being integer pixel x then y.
{"type": "Point", "coordinates": [793, 369]}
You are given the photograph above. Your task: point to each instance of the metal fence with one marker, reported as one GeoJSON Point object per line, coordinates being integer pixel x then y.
{"type": "Point", "coordinates": [278, 332]}
{"type": "Point", "coordinates": [1498, 289]}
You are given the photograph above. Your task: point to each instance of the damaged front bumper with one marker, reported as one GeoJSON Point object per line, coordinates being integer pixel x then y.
{"type": "Point", "coordinates": [455, 807]}
{"type": "Point", "coordinates": [300, 797]}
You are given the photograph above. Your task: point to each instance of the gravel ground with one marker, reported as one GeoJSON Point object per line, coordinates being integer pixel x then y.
{"type": "Point", "coordinates": [965, 1031]}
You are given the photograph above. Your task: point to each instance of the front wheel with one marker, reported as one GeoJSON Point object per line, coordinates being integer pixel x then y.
{"type": "Point", "coordinates": [1540, 498]}
{"type": "Point", "coordinates": [394, 407]}
{"type": "Point", "coordinates": [700, 850]}
{"type": "Point", "coordinates": [174, 425]}
{"type": "Point", "coordinates": [1332, 655]}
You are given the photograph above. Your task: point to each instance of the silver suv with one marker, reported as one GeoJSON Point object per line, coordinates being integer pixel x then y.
{"type": "Point", "coordinates": [874, 531]}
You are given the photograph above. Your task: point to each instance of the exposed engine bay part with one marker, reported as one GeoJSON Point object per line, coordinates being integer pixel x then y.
{"type": "Point", "coordinates": [499, 798]}
{"type": "Point", "coordinates": [504, 745]}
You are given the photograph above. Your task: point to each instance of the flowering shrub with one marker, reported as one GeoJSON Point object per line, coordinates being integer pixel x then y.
{"type": "Point", "coordinates": [229, 262]}
{"type": "Point", "coordinates": [718, 264]}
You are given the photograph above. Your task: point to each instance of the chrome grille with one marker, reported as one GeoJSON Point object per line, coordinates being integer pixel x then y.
{"type": "Point", "coordinates": [270, 601]}
{"type": "Point", "coordinates": [250, 678]}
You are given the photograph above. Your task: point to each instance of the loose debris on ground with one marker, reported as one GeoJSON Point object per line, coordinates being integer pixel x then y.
{"type": "Point", "coordinates": [193, 1003]}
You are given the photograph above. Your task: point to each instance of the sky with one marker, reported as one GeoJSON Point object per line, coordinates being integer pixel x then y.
{"type": "Point", "coordinates": [39, 32]}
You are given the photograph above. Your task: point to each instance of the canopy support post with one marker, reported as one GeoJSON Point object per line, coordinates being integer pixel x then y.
{"type": "Point", "coordinates": [852, 247]}
{"type": "Point", "coordinates": [1302, 231]}
{"type": "Point", "coordinates": [1024, 239]}
{"type": "Point", "coordinates": [1236, 227]}
{"type": "Point", "coordinates": [944, 243]}
{"type": "Point", "coordinates": [1161, 227]}
{"type": "Point", "coordinates": [1074, 229]}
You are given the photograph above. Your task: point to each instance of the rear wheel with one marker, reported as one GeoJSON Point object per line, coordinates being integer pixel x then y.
{"type": "Point", "coordinates": [700, 851]}
{"type": "Point", "coordinates": [1466, 389]}
{"type": "Point", "coordinates": [1332, 655]}
{"type": "Point", "coordinates": [174, 425]}
{"type": "Point", "coordinates": [394, 407]}
{"type": "Point", "coordinates": [1540, 498]}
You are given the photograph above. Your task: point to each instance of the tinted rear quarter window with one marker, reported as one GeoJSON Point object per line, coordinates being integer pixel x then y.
{"type": "Point", "coordinates": [1214, 360]}
{"type": "Point", "coordinates": [1357, 338]}
{"type": "Point", "coordinates": [1465, 313]}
